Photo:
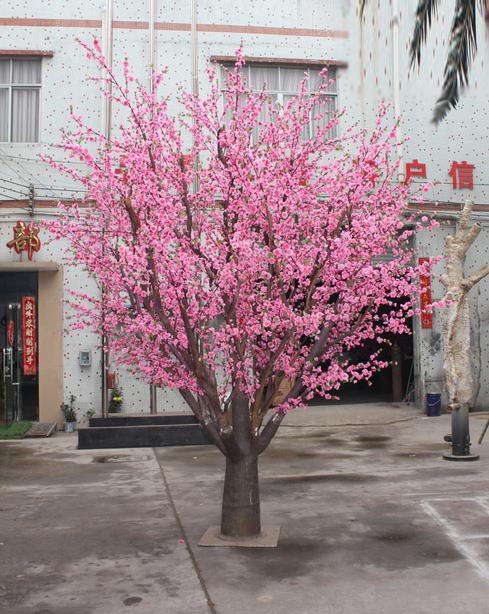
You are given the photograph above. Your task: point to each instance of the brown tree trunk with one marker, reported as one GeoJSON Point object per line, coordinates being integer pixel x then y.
{"type": "Point", "coordinates": [241, 498]}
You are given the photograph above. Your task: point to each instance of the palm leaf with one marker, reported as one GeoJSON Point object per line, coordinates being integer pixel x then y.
{"type": "Point", "coordinates": [462, 46]}
{"type": "Point", "coordinates": [425, 13]}
{"type": "Point", "coordinates": [461, 51]}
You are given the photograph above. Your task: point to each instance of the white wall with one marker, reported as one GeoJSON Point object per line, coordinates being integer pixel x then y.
{"type": "Point", "coordinates": [368, 51]}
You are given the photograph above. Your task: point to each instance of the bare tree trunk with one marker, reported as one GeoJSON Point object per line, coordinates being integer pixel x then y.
{"type": "Point", "coordinates": [241, 498]}
{"type": "Point", "coordinates": [457, 361]}
{"type": "Point", "coordinates": [456, 329]}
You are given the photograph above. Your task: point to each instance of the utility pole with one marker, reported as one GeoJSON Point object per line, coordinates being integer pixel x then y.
{"type": "Point", "coordinates": [31, 200]}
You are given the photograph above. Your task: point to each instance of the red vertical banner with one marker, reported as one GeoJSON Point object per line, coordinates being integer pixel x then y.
{"type": "Point", "coordinates": [10, 333]}
{"type": "Point", "coordinates": [425, 297]}
{"type": "Point", "coordinates": [29, 349]}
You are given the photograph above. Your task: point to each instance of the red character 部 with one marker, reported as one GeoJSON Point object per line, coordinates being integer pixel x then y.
{"type": "Point", "coordinates": [462, 175]}
{"type": "Point", "coordinates": [26, 239]}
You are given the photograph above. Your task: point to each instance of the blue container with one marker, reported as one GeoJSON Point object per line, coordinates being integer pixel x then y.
{"type": "Point", "coordinates": [433, 404]}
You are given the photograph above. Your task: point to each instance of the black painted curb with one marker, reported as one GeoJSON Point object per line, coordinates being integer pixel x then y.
{"type": "Point", "coordinates": [141, 436]}
{"type": "Point", "coordinates": [145, 419]}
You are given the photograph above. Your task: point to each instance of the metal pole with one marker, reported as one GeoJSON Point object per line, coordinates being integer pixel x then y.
{"type": "Point", "coordinates": [396, 85]}
{"type": "Point", "coordinates": [460, 430]}
{"type": "Point", "coordinates": [107, 131]}
{"type": "Point", "coordinates": [194, 49]}
{"type": "Point", "coordinates": [194, 52]}
{"type": "Point", "coordinates": [396, 373]}
{"type": "Point", "coordinates": [151, 69]}
{"type": "Point", "coordinates": [151, 52]}
{"type": "Point", "coordinates": [460, 434]}
{"type": "Point", "coordinates": [152, 399]}
{"type": "Point", "coordinates": [109, 44]}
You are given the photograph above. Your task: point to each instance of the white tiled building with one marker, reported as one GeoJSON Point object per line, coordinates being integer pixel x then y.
{"type": "Point", "coordinates": [43, 72]}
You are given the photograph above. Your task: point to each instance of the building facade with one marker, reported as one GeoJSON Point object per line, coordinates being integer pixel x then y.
{"type": "Point", "coordinates": [44, 73]}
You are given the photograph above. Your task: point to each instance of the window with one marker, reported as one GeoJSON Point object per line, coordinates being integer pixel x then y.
{"type": "Point", "coordinates": [20, 85]}
{"type": "Point", "coordinates": [282, 84]}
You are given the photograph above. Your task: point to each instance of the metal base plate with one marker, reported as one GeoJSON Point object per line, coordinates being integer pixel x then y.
{"type": "Point", "coordinates": [268, 538]}
{"type": "Point", "coordinates": [467, 458]}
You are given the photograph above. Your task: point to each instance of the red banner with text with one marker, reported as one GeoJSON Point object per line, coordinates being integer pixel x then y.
{"type": "Point", "coordinates": [29, 349]}
{"type": "Point", "coordinates": [425, 297]}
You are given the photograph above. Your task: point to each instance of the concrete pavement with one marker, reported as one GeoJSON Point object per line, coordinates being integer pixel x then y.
{"type": "Point", "coordinates": [89, 532]}
{"type": "Point", "coordinates": [373, 521]}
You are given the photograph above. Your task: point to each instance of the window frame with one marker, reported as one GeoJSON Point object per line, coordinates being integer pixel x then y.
{"type": "Point", "coordinates": [280, 93]}
{"type": "Point", "coordinates": [11, 86]}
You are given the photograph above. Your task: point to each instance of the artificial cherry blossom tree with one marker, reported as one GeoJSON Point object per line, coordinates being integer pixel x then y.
{"type": "Point", "coordinates": [242, 269]}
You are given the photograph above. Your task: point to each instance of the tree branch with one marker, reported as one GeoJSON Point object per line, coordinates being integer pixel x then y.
{"type": "Point", "coordinates": [470, 281]}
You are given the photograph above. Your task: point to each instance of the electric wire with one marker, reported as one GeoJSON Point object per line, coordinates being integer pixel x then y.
{"type": "Point", "coordinates": [9, 189]}
{"type": "Point", "coordinates": [22, 185]}
{"type": "Point", "coordinates": [21, 166]}
{"type": "Point", "coordinates": [40, 161]}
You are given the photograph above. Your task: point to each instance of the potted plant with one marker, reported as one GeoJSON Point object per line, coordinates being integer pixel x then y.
{"type": "Point", "coordinates": [69, 414]}
{"type": "Point", "coordinates": [116, 401]}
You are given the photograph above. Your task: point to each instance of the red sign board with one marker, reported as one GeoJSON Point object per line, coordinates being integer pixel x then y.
{"type": "Point", "coordinates": [425, 298]}
{"type": "Point", "coordinates": [29, 348]}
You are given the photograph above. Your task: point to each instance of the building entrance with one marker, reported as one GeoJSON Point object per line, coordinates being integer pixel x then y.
{"type": "Point", "coordinates": [389, 385]}
{"type": "Point", "coordinates": [19, 389]}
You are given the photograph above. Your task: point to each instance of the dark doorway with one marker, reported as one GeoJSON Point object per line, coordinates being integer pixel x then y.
{"type": "Point", "coordinates": [19, 389]}
{"type": "Point", "coordinates": [392, 384]}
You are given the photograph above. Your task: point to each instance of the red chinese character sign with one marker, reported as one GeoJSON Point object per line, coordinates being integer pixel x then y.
{"type": "Point", "coordinates": [425, 296]}
{"type": "Point", "coordinates": [415, 169]}
{"type": "Point", "coordinates": [29, 350]}
{"type": "Point", "coordinates": [26, 239]}
{"type": "Point", "coordinates": [462, 175]}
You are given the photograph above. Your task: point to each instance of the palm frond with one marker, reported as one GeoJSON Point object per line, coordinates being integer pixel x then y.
{"type": "Point", "coordinates": [461, 51]}
{"type": "Point", "coordinates": [425, 13]}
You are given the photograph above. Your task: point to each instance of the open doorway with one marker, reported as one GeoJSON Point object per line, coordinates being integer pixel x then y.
{"type": "Point", "coordinates": [19, 385]}
{"type": "Point", "coordinates": [392, 384]}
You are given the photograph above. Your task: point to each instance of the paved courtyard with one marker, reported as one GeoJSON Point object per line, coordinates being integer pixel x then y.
{"type": "Point", "coordinates": [372, 520]}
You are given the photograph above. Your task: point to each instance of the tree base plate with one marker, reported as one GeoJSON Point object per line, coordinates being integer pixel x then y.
{"type": "Point", "coordinates": [456, 457]}
{"type": "Point", "coordinates": [268, 538]}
